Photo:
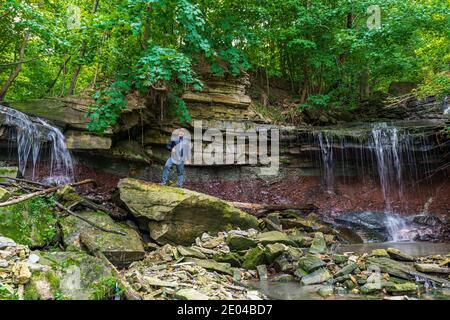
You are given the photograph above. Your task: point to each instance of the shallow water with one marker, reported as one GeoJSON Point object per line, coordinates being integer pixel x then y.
{"type": "Point", "coordinates": [411, 248]}
{"type": "Point", "coordinates": [293, 290]}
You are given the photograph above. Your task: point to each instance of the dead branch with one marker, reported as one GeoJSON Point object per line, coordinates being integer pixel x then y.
{"type": "Point", "coordinates": [259, 209]}
{"type": "Point", "coordinates": [26, 181]}
{"type": "Point", "coordinates": [43, 192]}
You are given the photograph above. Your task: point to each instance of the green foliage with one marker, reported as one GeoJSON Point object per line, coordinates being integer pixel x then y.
{"type": "Point", "coordinates": [323, 48]}
{"type": "Point", "coordinates": [109, 104]}
{"type": "Point", "coordinates": [7, 293]}
{"type": "Point", "coordinates": [106, 288]}
{"type": "Point", "coordinates": [32, 217]}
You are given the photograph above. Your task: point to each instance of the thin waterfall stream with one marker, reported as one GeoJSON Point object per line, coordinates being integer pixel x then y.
{"type": "Point", "coordinates": [31, 135]}
{"type": "Point", "coordinates": [393, 155]}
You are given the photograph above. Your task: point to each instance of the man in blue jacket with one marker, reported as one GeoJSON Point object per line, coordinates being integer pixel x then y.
{"type": "Point", "coordinates": [180, 149]}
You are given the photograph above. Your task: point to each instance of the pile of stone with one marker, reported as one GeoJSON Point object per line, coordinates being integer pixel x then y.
{"type": "Point", "coordinates": [186, 273]}
{"type": "Point", "coordinates": [40, 275]}
{"type": "Point", "coordinates": [14, 268]}
{"type": "Point", "coordinates": [242, 256]}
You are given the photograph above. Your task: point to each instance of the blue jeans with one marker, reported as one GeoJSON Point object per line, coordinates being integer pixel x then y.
{"type": "Point", "coordinates": [180, 172]}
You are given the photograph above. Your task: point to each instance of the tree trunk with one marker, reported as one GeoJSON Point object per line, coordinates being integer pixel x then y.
{"type": "Point", "coordinates": [77, 70]}
{"type": "Point", "coordinates": [52, 85]}
{"type": "Point", "coordinates": [17, 69]}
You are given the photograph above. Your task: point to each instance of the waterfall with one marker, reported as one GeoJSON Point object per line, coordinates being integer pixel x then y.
{"type": "Point", "coordinates": [386, 145]}
{"type": "Point", "coordinates": [31, 135]}
{"type": "Point", "coordinates": [397, 228]}
{"type": "Point", "coordinates": [326, 149]}
{"type": "Point", "coordinates": [396, 156]}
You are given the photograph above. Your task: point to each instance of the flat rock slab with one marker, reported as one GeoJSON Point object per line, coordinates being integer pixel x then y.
{"type": "Point", "coordinates": [119, 249]}
{"type": "Point", "coordinates": [190, 294]}
{"type": "Point", "coordinates": [431, 268]}
{"type": "Point", "coordinates": [212, 265]}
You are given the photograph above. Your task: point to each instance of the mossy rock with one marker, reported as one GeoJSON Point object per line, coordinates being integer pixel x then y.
{"type": "Point", "coordinates": [254, 257]}
{"type": "Point", "coordinates": [178, 216]}
{"type": "Point", "coordinates": [72, 275]}
{"type": "Point", "coordinates": [4, 194]}
{"type": "Point", "coordinates": [271, 237]}
{"type": "Point", "coordinates": [121, 250]}
{"type": "Point", "coordinates": [273, 251]}
{"type": "Point", "coordinates": [232, 258]}
{"type": "Point", "coordinates": [31, 222]}
{"type": "Point", "coordinates": [239, 243]}
{"type": "Point", "coordinates": [10, 172]}
{"type": "Point", "coordinates": [43, 285]}
{"type": "Point", "coordinates": [310, 263]}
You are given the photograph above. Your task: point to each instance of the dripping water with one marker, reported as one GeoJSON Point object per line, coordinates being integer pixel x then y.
{"type": "Point", "coordinates": [31, 136]}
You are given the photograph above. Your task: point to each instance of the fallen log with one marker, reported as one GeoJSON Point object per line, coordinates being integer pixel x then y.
{"type": "Point", "coordinates": [259, 209]}
{"type": "Point", "coordinates": [43, 192]}
{"type": "Point", "coordinates": [26, 181]}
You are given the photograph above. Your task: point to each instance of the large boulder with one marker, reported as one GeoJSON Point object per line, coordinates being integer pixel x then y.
{"type": "Point", "coordinates": [178, 216]}
{"type": "Point", "coordinates": [119, 249]}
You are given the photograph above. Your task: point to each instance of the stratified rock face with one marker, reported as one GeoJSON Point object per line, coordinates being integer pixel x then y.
{"type": "Point", "coordinates": [86, 141]}
{"type": "Point", "coordinates": [178, 216]}
{"type": "Point", "coordinates": [119, 249]}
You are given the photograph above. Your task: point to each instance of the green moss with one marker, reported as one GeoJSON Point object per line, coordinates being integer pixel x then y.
{"type": "Point", "coordinates": [6, 294]}
{"type": "Point", "coordinates": [31, 292]}
{"type": "Point", "coordinates": [31, 222]}
{"type": "Point", "coordinates": [106, 288]}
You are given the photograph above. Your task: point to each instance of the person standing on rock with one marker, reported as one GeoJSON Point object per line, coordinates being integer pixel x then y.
{"type": "Point", "coordinates": [180, 149]}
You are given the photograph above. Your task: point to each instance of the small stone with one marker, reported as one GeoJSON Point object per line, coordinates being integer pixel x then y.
{"type": "Point", "coordinates": [240, 243]}
{"type": "Point", "coordinates": [300, 273]}
{"type": "Point", "coordinates": [6, 242]}
{"type": "Point", "coordinates": [284, 264]}
{"type": "Point", "coordinates": [274, 237]}
{"type": "Point", "coordinates": [316, 277]}
{"type": "Point", "coordinates": [155, 282]}
{"type": "Point", "coordinates": [262, 271]}
{"type": "Point", "coordinates": [340, 291]}
{"type": "Point", "coordinates": [212, 265]}
{"type": "Point", "coordinates": [349, 284]}
{"type": "Point", "coordinates": [339, 258]}
{"type": "Point", "coordinates": [325, 291]}
{"type": "Point", "coordinates": [190, 252]}
{"type": "Point", "coordinates": [190, 294]}
{"type": "Point", "coordinates": [4, 263]}
{"type": "Point", "coordinates": [370, 288]}
{"type": "Point", "coordinates": [380, 253]}
{"type": "Point", "coordinates": [33, 258]}
{"type": "Point", "coordinates": [401, 288]}
{"type": "Point", "coordinates": [319, 244]}
{"type": "Point", "coordinates": [430, 268]}
{"type": "Point", "coordinates": [310, 263]}
{"type": "Point", "coordinates": [254, 257]}
{"type": "Point", "coordinates": [282, 277]}
{"type": "Point", "coordinates": [399, 255]}
{"type": "Point", "coordinates": [22, 273]}
{"type": "Point", "coordinates": [346, 270]}
{"type": "Point", "coordinates": [273, 251]}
